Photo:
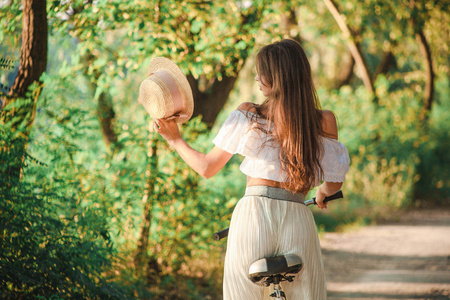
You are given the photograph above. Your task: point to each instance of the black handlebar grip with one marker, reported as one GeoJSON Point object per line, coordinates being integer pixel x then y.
{"type": "Point", "coordinates": [335, 196]}
{"type": "Point", "coordinates": [221, 234]}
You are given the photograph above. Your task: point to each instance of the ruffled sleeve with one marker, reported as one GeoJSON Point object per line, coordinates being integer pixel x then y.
{"type": "Point", "coordinates": [335, 161]}
{"type": "Point", "coordinates": [235, 134]}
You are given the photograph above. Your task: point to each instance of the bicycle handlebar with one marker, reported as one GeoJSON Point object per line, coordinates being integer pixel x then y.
{"type": "Point", "coordinates": [224, 233]}
{"type": "Point", "coordinates": [335, 196]}
{"type": "Point", "coordinates": [221, 234]}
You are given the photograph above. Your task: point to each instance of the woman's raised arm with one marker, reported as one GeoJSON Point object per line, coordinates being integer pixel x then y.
{"type": "Point", "coordinates": [206, 165]}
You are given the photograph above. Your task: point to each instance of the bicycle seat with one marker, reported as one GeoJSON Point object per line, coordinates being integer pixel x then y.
{"type": "Point", "coordinates": [261, 269]}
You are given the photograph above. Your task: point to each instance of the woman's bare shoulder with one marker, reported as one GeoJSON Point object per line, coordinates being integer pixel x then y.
{"type": "Point", "coordinates": [247, 106]}
{"type": "Point", "coordinates": [329, 124]}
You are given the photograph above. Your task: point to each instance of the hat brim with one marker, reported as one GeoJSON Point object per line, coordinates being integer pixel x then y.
{"type": "Point", "coordinates": [177, 117]}
{"type": "Point", "coordinates": [162, 63]}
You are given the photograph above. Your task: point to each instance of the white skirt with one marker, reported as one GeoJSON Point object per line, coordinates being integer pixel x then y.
{"type": "Point", "coordinates": [269, 222]}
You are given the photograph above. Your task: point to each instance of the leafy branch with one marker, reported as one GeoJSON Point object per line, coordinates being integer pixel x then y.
{"type": "Point", "coordinates": [6, 63]}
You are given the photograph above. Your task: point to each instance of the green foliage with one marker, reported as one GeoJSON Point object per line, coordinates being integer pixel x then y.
{"type": "Point", "coordinates": [199, 36]}
{"type": "Point", "coordinates": [11, 23]}
{"type": "Point", "coordinates": [71, 212]}
{"type": "Point", "coordinates": [433, 185]}
{"type": "Point", "coordinates": [186, 215]}
{"type": "Point", "coordinates": [185, 211]}
{"type": "Point", "coordinates": [49, 249]}
{"type": "Point", "coordinates": [396, 160]}
{"type": "Point", "coordinates": [6, 63]}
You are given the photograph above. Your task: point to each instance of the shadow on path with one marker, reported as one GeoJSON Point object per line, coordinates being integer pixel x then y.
{"type": "Point", "coordinates": [405, 260]}
{"type": "Point", "coordinates": [433, 296]}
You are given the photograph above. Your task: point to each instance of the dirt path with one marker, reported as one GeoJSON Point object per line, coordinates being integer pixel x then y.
{"type": "Point", "coordinates": [407, 259]}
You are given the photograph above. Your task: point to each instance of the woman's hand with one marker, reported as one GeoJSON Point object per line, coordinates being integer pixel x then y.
{"type": "Point", "coordinates": [168, 129]}
{"type": "Point", "coordinates": [324, 190]}
{"type": "Point", "coordinates": [320, 196]}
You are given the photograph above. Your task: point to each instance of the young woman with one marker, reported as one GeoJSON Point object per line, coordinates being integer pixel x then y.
{"type": "Point", "coordinates": [289, 145]}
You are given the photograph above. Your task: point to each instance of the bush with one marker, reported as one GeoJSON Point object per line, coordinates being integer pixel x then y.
{"type": "Point", "coordinates": [49, 249]}
{"type": "Point", "coordinates": [397, 160]}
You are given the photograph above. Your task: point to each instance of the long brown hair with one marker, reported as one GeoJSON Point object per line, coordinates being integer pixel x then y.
{"type": "Point", "coordinates": [293, 107]}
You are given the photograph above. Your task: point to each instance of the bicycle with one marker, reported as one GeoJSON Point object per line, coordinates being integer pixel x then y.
{"type": "Point", "coordinates": [274, 270]}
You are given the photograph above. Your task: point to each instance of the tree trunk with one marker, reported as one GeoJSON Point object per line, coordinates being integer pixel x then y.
{"type": "Point", "coordinates": [386, 63]}
{"type": "Point", "coordinates": [106, 117]}
{"type": "Point", "coordinates": [289, 25]}
{"type": "Point", "coordinates": [346, 74]}
{"type": "Point", "coordinates": [33, 56]}
{"type": "Point", "coordinates": [355, 48]}
{"type": "Point", "coordinates": [33, 62]}
{"type": "Point", "coordinates": [210, 103]}
{"type": "Point", "coordinates": [105, 109]}
{"type": "Point", "coordinates": [429, 75]}
{"type": "Point", "coordinates": [148, 198]}
{"type": "Point", "coordinates": [426, 52]}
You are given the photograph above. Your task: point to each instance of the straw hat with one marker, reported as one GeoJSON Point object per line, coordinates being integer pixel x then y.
{"type": "Point", "coordinates": [166, 93]}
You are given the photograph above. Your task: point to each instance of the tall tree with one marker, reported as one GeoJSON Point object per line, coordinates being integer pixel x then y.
{"type": "Point", "coordinates": [289, 23]}
{"type": "Point", "coordinates": [386, 63]}
{"type": "Point", "coordinates": [207, 44]}
{"type": "Point", "coordinates": [33, 55]}
{"type": "Point", "coordinates": [418, 25]}
{"type": "Point", "coordinates": [148, 201]}
{"type": "Point", "coordinates": [211, 49]}
{"type": "Point", "coordinates": [33, 62]}
{"type": "Point", "coordinates": [105, 108]}
{"type": "Point", "coordinates": [346, 73]}
{"type": "Point", "coordinates": [351, 35]}
{"type": "Point", "coordinates": [82, 22]}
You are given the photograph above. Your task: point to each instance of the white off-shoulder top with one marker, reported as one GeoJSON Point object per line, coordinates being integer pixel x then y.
{"type": "Point", "coordinates": [262, 153]}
